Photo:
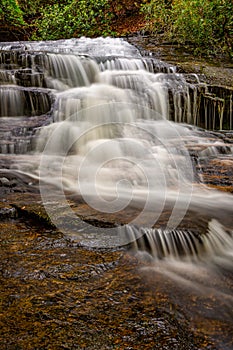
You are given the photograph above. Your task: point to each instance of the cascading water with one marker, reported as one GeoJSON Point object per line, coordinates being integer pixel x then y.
{"type": "Point", "coordinates": [94, 122]}
{"type": "Point", "coordinates": [102, 116]}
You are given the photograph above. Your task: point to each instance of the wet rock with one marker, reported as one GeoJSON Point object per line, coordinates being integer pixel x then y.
{"type": "Point", "coordinates": [4, 181]}
{"type": "Point", "coordinates": [217, 172]}
{"type": "Point", "coordinates": [7, 213]}
{"type": "Point", "coordinates": [26, 77]}
{"type": "Point", "coordinates": [67, 296]}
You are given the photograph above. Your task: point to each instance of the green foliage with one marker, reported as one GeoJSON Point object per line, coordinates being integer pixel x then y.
{"type": "Point", "coordinates": [74, 18]}
{"type": "Point", "coordinates": [33, 8]}
{"type": "Point", "coordinates": [205, 24]}
{"type": "Point", "coordinates": [193, 22]}
{"type": "Point", "coordinates": [11, 14]}
{"type": "Point", "coordinates": [223, 24]}
{"type": "Point", "coordinates": [157, 14]}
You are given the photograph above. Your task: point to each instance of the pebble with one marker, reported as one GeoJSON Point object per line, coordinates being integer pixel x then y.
{"type": "Point", "coordinates": [4, 181]}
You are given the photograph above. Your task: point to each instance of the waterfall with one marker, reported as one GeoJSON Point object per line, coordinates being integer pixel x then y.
{"type": "Point", "coordinates": [11, 102]}
{"type": "Point", "coordinates": [22, 110]}
{"type": "Point", "coordinates": [96, 120]}
{"type": "Point", "coordinates": [20, 101]}
{"type": "Point", "coordinates": [65, 64]}
{"type": "Point", "coordinates": [182, 244]}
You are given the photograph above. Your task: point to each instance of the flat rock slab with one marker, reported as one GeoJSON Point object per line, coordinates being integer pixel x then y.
{"type": "Point", "coordinates": [57, 295]}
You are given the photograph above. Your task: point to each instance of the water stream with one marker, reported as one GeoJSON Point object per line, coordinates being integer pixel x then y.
{"type": "Point", "coordinates": [96, 120]}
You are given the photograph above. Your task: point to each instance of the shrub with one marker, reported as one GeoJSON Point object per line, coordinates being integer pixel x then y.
{"type": "Point", "coordinates": [205, 24]}
{"type": "Point", "coordinates": [11, 14]}
{"type": "Point", "coordinates": [158, 15]}
{"type": "Point", "coordinates": [73, 19]}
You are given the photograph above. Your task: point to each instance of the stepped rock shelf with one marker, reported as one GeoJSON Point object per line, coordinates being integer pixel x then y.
{"type": "Point", "coordinates": [116, 205]}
